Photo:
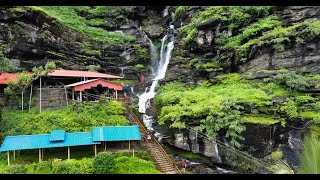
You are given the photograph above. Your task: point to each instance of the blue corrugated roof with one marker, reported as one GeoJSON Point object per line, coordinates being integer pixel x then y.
{"type": "Point", "coordinates": [57, 135]}
{"type": "Point", "coordinates": [116, 133]}
{"type": "Point", "coordinates": [42, 141]}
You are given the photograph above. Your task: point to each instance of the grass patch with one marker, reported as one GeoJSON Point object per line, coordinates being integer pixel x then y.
{"type": "Point", "coordinates": [260, 119]}
{"type": "Point", "coordinates": [68, 17]}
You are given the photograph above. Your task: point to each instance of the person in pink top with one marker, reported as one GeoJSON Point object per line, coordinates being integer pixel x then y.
{"type": "Point", "coordinates": [184, 165]}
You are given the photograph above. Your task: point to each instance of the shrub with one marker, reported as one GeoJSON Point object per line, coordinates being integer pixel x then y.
{"type": "Point", "coordinates": [134, 165]}
{"type": "Point", "coordinates": [290, 109]}
{"type": "Point", "coordinates": [104, 163]}
{"type": "Point", "coordinates": [17, 169]}
{"type": "Point", "coordinates": [291, 80]}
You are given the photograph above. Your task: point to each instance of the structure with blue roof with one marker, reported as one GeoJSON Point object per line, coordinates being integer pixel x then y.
{"type": "Point", "coordinates": [59, 138]}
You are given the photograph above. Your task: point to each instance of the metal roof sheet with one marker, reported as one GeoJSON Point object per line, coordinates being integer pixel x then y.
{"type": "Point", "coordinates": [5, 78]}
{"type": "Point", "coordinates": [116, 133]}
{"type": "Point", "coordinates": [57, 135]}
{"type": "Point", "coordinates": [23, 142]}
{"type": "Point", "coordinates": [73, 73]}
{"type": "Point", "coordinates": [80, 86]}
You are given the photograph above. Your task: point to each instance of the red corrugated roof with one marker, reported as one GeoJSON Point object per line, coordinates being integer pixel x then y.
{"type": "Point", "coordinates": [72, 73]}
{"type": "Point", "coordinates": [6, 77]}
{"type": "Point", "coordinates": [82, 85]}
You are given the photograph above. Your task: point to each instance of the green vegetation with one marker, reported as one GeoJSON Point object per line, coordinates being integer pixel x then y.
{"type": "Point", "coordinates": [93, 68]}
{"type": "Point", "coordinates": [311, 115]}
{"type": "Point", "coordinates": [310, 157]}
{"type": "Point", "coordinates": [74, 118]}
{"type": "Point", "coordinates": [235, 16]}
{"type": "Point", "coordinates": [260, 119]}
{"type": "Point", "coordinates": [5, 64]}
{"type": "Point", "coordinates": [218, 106]}
{"type": "Point", "coordinates": [70, 17]}
{"type": "Point", "coordinates": [104, 163]}
{"type": "Point", "coordinates": [291, 80]}
{"type": "Point", "coordinates": [179, 11]}
{"type": "Point", "coordinates": [139, 67]}
{"type": "Point", "coordinates": [134, 165]}
{"type": "Point", "coordinates": [225, 102]}
{"type": "Point", "coordinates": [290, 109]}
{"type": "Point", "coordinates": [142, 53]}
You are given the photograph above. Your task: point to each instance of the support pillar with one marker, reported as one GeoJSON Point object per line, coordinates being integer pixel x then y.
{"type": "Point", "coordinates": [129, 144]}
{"type": "Point", "coordinates": [30, 97]}
{"type": "Point", "coordinates": [39, 155]}
{"type": "Point", "coordinates": [116, 95]}
{"type": "Point", "coordinates": [14, 155]}
{"type": "Point", "coordinates": [73, 94]}
{"type": "Point", "coordinates": [40, 96]}
{"type": "Point", "coordinates": [65, 91]}
{"type": "Point", "coordinates": [42, 153]}
{"type": "Point", "coordinates": [95, 150]}
{"type": "Point", "coordinates": [80, 96]}
{"type": "Point", "coordinates": [22, 100]}
{"type": "Point", "coordinates": [68, 152]}
{"type": "Point", "coordinates": [8, 152]}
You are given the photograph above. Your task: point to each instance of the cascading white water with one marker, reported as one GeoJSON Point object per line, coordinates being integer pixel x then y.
{"type": "Point", "coordinates": [153, 55]}
{"type": "Point", "coordinates": [165, 55]}
{"type": "Point", "coordinates": [165, 11]}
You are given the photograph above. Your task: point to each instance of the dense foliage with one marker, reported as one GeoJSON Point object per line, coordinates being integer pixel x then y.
{"type": "Point", "coordinates": [134, 165]}
{"type": "Point", "coordinates": [310, 157]}
{"type": "Point", "coordinates": [74, 118]}
{"type": "Point", "coordinates": [226, 102]}
{"type": "Point", "coordinates": [71, 17]}
{"type": "Point", "coordinates": [104, 163]}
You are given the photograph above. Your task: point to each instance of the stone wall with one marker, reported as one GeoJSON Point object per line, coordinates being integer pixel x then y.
{"type": "Point", "coordinates": [52, 97]}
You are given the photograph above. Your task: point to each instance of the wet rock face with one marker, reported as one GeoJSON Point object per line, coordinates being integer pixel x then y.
{"type": "Point", "coordinates": [190, 141]}
{"type": "Point", "coordinates": [181, 142]}
{"type": "Point", "coordinates": [304, 58]}
{"type": "Point", "coordinates": [294, 14]}
{"type": "Point", "coordinates": [31, 38]}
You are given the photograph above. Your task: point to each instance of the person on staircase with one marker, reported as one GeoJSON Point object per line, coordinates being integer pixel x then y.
{"type": "Point", "coordinates": [184, 165]}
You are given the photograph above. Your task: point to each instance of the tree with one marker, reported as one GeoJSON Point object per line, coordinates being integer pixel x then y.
{"type": "Point", "coordinates": [5, 64]}
{"type": "Point", "coordinates": [104, 163]}
{"type": "Point", "coordinates": [228, 118]}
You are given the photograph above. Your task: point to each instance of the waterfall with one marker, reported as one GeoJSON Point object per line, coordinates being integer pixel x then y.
{"type": "Point", "coordinates": [165, 55]}
{"type": "Point", "coordinates": [153, 55]}
{"type": "Point", "coordinates": [165, 12]}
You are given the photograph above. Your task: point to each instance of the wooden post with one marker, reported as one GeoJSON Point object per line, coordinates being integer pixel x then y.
{"type": "Point", "coordinates": [95, 150]}
{"type": "Point", "coordinates": [80, 96]}
{"type": "Point", "coordinates": [30, 97]}
{"type": "Point", "coordinates": [8, 152]}
{"type": "Point", "coordinates": [105, 146]}
{"type": "Point", "coordinates": [133, 153]}
{"type": "Point", "coordinates": [68, 152]}
{"type": "Point", "coordinates": [14, 155]}
{"type": "Point", "coordinates": [65, 91]}
{"type": "Point", "coordinates": [40, 96]}
{"type": "Point", "coordinates": [42, 153]}
{"type": "Point", "coordinates": [116, 94]}
{"type": "Point", "coordinates": [22, 100]}
{"type": "Point", "coordinates": [39, 155]}
{"type": "Point", "coordinates": [129, 144]}
{"type": "Point", "coordinates": [72, 94]}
